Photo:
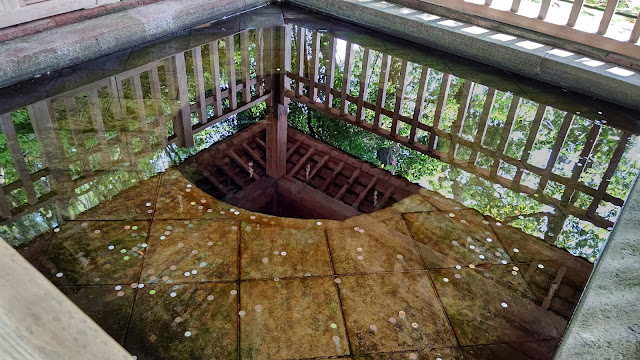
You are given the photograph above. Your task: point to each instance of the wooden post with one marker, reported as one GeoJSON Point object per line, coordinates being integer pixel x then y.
{"type": "Point", "coordinates": [230, 48]}
{"type": "Point", "coordinates": [182, 120]}
{"type": "Point", "coordinates": [198, 72]}
{"type": "Point", "coordinates": [346, 79]}
{"type": "Point", "coordinates": [17, 157]}
{"type": "Point", "coordinates": [277, 128]}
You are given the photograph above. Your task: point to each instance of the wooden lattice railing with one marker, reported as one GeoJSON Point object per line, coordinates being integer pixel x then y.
{"type": "Point", "coordinates": [122, 99]}
{"type": "Point", "coordinates": [317, 89]}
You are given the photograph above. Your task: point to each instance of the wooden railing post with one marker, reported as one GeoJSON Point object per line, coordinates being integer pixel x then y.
{"type": "Point", "coordinates": [182, 122]}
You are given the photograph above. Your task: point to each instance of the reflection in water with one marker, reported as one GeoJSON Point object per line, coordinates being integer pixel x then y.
{"type": "Point", "coordinates": [99, 190]}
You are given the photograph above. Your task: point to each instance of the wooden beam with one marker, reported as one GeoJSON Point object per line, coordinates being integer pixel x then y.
{"type": "Point", "coordinates": [419, 110]}
{"type": "Point", "coordinates": [318, 167]}
{"type": "Point", "coordinates": [277, 143]}
{"type": "Point", "coordinates": [302, 161]}
{"type": "Point", "coordinates": [17, 157]}
{"type": "Point", "coordinates": [329, 180]}
{"type": "Point", "coordinates": [382, 89]}
{"type": "Point", "coordinates": [365, 75]}
{"type": "Point", "coordinates": [440, 107]}
{"type": "Point", "coordinates": [230, 48]}
{"type": "Point", "coordinates": [346, 78]}
{"type": "Point", "coordinates": [364, 193]}
{"type": "Point", "coordinates": [330, 73]}
{"type": "Point", "coordinates": [253, 155]}
{"type": "Point", "coordinates": [182, 122]}
{"type": "Point", "coordinates": [346, 186]}
{"type": "Point", "coordinates": [400, 94]}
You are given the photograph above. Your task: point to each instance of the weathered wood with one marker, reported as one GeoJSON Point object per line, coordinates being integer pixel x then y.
{"type": "Point", "coordinates": [607, 16]}
{"type": "Point", "coordinates": [242, 164]}
{"type": "Point", "coordinates": [419, 110]}
{"type": "Point", "coordinates": [17, 157]}
{"type": "Point", "coordinates": [301, 42]}
{"type": "Point", "coordinates": [318, 166]}
{"type": "Point", "coordinates": [182, 122]}
{"type": "Point", "coordinates": [255, 196]}
{"type": "Point", "coordinates": [442, 100]}
{"type": "Point", "coordinates": [382, 89]}
{"type": "Point", "coordinates": [330, 179]}
{"type": "Point", "coordinates": [544, 9]}
{"type": "Point", "coordinates": [400, 94]}
{"type": "Point", "coordinates": [230, 49]}
{"type": "Point", "coordinates": [463, 109]}
{"type": "Point", "coordinates": [582, 161]}
{"type": "Point", "coordinates": [260, 60]}
{"type": "Point", "coordinates": [576, 8]}
{"type": "Point", "coordinates": [515, 6]}
{"type": "Point", "coordinates": [346, 77]}
{"type": "Point", "coordinates": [482, 124]}
{"type": "Point", "coordinates": [364, 193]}
{"type": "Point", "coordinates": [253, 155]}
{"type": "Point", "coordinates": [214, 61]}
{"type": "Point", "coordinates": [198, 77]}
{"type": "Point", "coordinates": [330, 73]}
{"type": "Point", "coordinates": [315, 66]}
{"type": "Point", "coordinates": [365, 76]}
{"type": "Point", "coordinates": [506, 131]}
{"type": "Point", "coordinates": [98, 127]}
{"type": "Point", "coordinates": [385, 199]}
{"type": "Point", "coordinates": [555, 150]}
{"type": "Point", "coordinates": [635, 33]}
{"type": "Point", "coordinates": [316, 201]}
{"type": "Point", "coordinates": [277, 143]}
{"type": "Point", "coordinates": [293, 148]}
{"type": "Point", "coordinates": [301, 162]}
{"type": "Point", "coordinates": [531, 139]}
{"type": "Point", "coordinates": [346, 186]}
{"type": "Point", "coordinates": [601, 192]}
{"type": "Point", "coordinates": [245, 65]}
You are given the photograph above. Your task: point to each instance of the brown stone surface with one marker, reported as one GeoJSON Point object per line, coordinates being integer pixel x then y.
{"type": "Point", "coordinates": [492, 305]}
{"type": "Point", "coordinates": [458, 237]}
{"type": "Point", "coordinates": [394, 312]}
{"type": "Point", "coordinates": [537, 350]}
{"type": "Point", "coordinates": [179, 199]}
{"type": "Point", "coordinates": [424, 354]}
{"type": "Point", "coordinates": [274, 252]}
{"type": "Point", "coordinates": [81, 252]}
{"type": "Point", "coordinates": [199, 322]}
{"type": "Point", "coordinates": [376, 247]}
{"type": "Point", "coordinates": [299, 318]}
{"type": "Point", "coordinates": [206, 250]}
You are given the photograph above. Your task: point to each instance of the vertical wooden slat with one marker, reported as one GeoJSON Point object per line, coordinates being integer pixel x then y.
{"type": "Point", "coordinates": [576, 8]}
{"type": "Point", "coordinates": [482, 124]}
{"type": "Point", "coordinates": [156, 94]}
{"type": "Point", "coordinates": [182, 122]}
{"type": "Point", "coordinates": [230, 47]}
{"type": "Point", "coordinates": [277, 142]}
{"type": "Point", "coordinates": [531, 139]}
{"type": "Point", "coordinates": [488, 2]}
{"type": "Point", "coordinates": [346, 78]}
{"type": "Point", "coordinates": [506, 132]}
{"type": "Point", "coordinates": [606, 17]}
{"type": "Point", "coordinates": [315, 67]}
{"type": "Point", "coordinates": [12, 4]}
{"type": "Point", "coordinates": [544, 9]}
{"type": "Point", "coordinates": [301, 42]}
{"type": "Point", "coordinates": [330, 72]}
{"type": "Point", "coordinates": [302, 161]}
{"type": "Point", "coordinates": [214, 60]}
{"type": "Point", "coordinates": [515, 6]}
{"type": "Point", "coordinates": [347, 185]}
{"type": "Point", "coordinates": [611, 169]}
{"type": "Point", "coordinates": [364, 193]}
{"type": "Point", "coordinates": [582, 159]}
{"type": "Point", "coordinates": [419, 109]}
{"type": "Point", "coordinates": [17, 157]}
{"type": "Point", "coordinates": [286, 63]}
{"type": "Point", "coordinates": [260, 60]}
{"type": "Point", "coordinates": [365, 76]}
{"type": "Point", "coordinates": [382, 89]}
{"type": "Point", "coordinates": [555, 150]}
{"type": "Point", "coordinates": [400, 94]}
{"type": "Point", "coordinates": [456, 128]}
{"type": "Point", "coordinates": [245, 65]}
{"type": "Point", "coordinates": [41, 115]}
{"type": "Point", "coordinates": [139, 102]}
{"type": "Point", "coordinates": [198, 72]}
{"type": "Point", "coordinates": [98, 126]}
{"type": "Point", "coordinates": [442, 100]}
{"type": "Point", "coordinates": [635, 33]}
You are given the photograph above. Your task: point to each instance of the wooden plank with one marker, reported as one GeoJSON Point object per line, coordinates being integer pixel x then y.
{"type": "Point", "coordinates": [365, 76]}
{"type": "Point", "coordinates": [506, 131]}
{"type": "Point", "coordinates": [419, 109]}
{"type": "Point", "coordinates": [198, 77]}
{"type": "Point", "coordinates": [515, 6]}
{"type": "Point", "coordinates": [385, 198]}
{"type": "Point", "coordinates": [314, 201]}
{"type": "Point", "coordinates": [315, 67]}
{"type": "Point", "coordinates": [140, 109]}
{"type": "Point", "coordinates": [635, 33]}
{"type": "Point", "coordinates": [382, 89]}
{"type": "Point", "coordinates": [544, 9]}
{"type": "Point", "coordinates": [293, 148]}
{"type": "Point", "coordinates": [230, 48]}
{"type": "Point", "coordinates": [440, 106]}
{"type": "Point", "coordinates": [400, 95]}
{"type": "Point", "coordinates": [98, 127]}
{"type": "Point", "coordinates": [346, 186]}
{"type": "Point", "coordinates": [346, 77]}
{"type": "Point", "coordinates": [242, 164]}
{"type": "Point", "coordinates": [330, 179]}
{"type": "Point", "coordinates": [253, 155]}
{"type": "Point", "coordinates": [182, 122]}
{"type": "Point", "coordinates": [576, 8]}
{"type": "Point", "coordinates": [302, 161]}
{"type": "Point", "coordinates": [608, 174]}
{"type": "Point", "coordinates": [286, 64]}
{"type": "Point", "coordinates": [161, 119]}
{"type": "Point", "coordinates": [482, 124]}
{"type": "Point", "coordinates": [245, 65]}
{"type": "Point", "coordinates": [555, 150]}
{"type": "Point", "coordinates": [215, 182]}
{"type": "Point", "coordinates": [260, 60]}
{"type": "Point", "coordinates": [582, 159]}
{"type": "Point", "coordinates": [330, 73]}
{"type": "Point", "coordinates": [607, 16]}
{"type": "Point", "coordinates": [17, 157]}
{"type": "Point", "coordinates": [214, 61]}
{"type": "Point", "coordinates": [301, 42]}
{"type": "Point", "coordinates": [463, 109]}
{"type": "Point", "coordinates": [531, 139]}
{"type": "Point", "coordinates": [318, 167]}
{"type": "Point", "coordinates": [277, 143]}
{"type": "Point", "coordinates": [364, 193]}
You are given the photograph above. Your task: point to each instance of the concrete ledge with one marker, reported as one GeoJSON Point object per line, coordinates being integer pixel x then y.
{"type": "Point", "coordinates": [519, 55]}
{"type": "Point", "coordinates": [606, 324]}
{"type": "Point", "coordinates": [87, 40]}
